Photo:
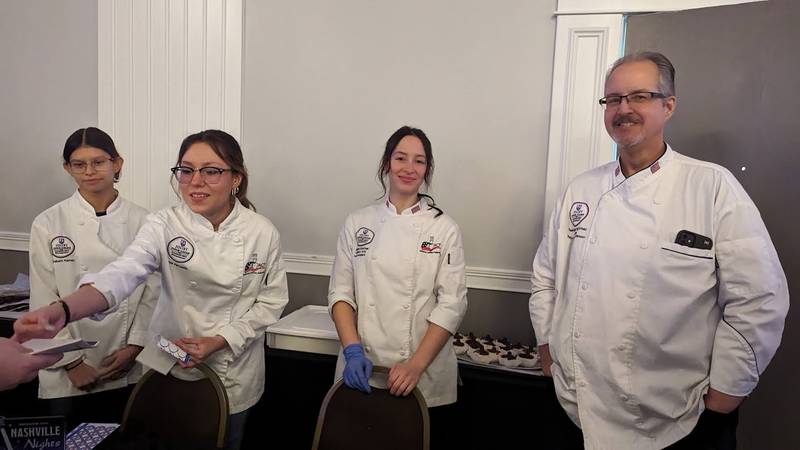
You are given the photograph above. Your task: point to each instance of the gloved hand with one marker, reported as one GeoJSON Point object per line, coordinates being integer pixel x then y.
{"type": "Point", "coordinates": [357, 369]}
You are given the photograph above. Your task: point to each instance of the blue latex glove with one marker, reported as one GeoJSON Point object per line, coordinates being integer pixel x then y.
{"type": "Point", "coordinates": [357, 369]}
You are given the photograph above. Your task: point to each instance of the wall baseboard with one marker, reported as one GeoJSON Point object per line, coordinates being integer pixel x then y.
{"type": "Point", "coordinates": [477, 277]}
{"type": "Point", "coordinates": [17, 242]}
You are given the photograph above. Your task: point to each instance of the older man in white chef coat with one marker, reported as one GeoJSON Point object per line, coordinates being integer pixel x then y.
{"type": "Point", "coordinates": [658, 298]}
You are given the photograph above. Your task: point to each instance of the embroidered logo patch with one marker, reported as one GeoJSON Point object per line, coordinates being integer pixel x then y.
{"type": "Point", "coordinates": [61, 247]}
{"type": "Point", "coordinates": [430, 247]}
{"type": "Point", "coordinates": [364, 236]}
{"type": "Point", "coordinates": [577, 212]}
{"type": "Point", "coordinates": [180, 249]}
{"type": "Point", "coordinates": [253, 266]}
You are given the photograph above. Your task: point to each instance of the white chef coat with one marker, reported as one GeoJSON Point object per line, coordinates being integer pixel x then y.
{"type": "Point", "coordinates": [230, 282]}
{"type": "Point", "coordinates": [640, 327]}
{"type": "Point", "coordinates": [67, 241]}
{"type": "Point", "coordinates": [400, 272]}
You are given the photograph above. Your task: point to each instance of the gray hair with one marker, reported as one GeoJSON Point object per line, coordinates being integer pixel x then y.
{"type": "Point", "coordinates": [666, 71]}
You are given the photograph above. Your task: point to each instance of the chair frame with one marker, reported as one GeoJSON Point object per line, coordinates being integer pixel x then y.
{"type": "Point", "coordinates": [426, 430]}
{"type": "Point", "coordinates": [219, 388]}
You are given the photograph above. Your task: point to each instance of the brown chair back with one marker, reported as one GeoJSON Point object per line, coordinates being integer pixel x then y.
{"type": "Point", "coordinates": [353, 420]}
{"type": "Point", "coordinates": [181, 414]}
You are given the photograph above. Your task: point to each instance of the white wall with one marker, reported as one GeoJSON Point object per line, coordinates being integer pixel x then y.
{"type": "Point", "coordinates": [48, 89]}
{"type": "Point", "coordinates": [326, 83]}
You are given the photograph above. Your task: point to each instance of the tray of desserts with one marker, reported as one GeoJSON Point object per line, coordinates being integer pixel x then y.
{"type": "Point", "coordinates": [499, 354]}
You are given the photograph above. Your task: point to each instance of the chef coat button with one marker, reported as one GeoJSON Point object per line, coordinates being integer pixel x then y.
{"type": "Point", "coordinates": [621, 347]}
{"type": "Point", "coordinates": [235, 290]}
{"type": "Point", "coordinates": [631, 295]}
{"type": "Point", "coordinates": [405, 306]}
{"type": "Point", "coordinates": [623, 397]}
{"type": "Point", "coordinates": [372, 305]}
{"type": "Point", "coordinates": [582, 384]}
{"type": "Point", "coordinates": [237, 240]}
{"type": "Point", "coordinates": [593, 240]}
{"type": "Point", "coordinates": [584, 286]}
{"type": "Point", "coordinates": [643, 245]}
{"type": "Point", "coordinates": [403, 354]}
{"type": "Point", "coordinates": [192, 284]}
{"type": "Point", "coordinates": [81, 223]}
{"type": "Point", "coordinates": [577, 335]}
{"type": "Point", "coordinates": [84, 268]}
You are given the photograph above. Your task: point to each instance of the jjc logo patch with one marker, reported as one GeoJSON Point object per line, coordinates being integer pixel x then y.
{"type": "Point", "coordinates": [364, 236]}
{"type": "Point", "coordinates": [61, 247]}
{"type": "Point", "coordinates": [180, 249]}
{"type": "Point", "coordinates": [578, 212]}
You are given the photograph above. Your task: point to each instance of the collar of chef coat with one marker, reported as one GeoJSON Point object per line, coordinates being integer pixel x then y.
{"type": "Point", "coordinates": [642, 176]}
{"type": "Point", "coordinates": [205, 225]}
{"type": "Point", "coordinates": [86, 208]}
{"type": "Point", "coordinates": [421, 205]}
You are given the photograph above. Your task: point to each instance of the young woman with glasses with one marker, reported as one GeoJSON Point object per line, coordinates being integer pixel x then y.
{"type": "Point", "coordinates": [223, 277]}
{"type": "Point", "coordinates": [79, 235]}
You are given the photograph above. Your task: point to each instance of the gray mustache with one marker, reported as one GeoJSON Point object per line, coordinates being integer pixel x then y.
{"type": "Point", "coordinates": [626, 118]}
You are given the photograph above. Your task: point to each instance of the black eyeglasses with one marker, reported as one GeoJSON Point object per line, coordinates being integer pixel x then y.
{"type": "Point", "coordinates": [210, 175]}
{"type": "Point", "coordinates": [634, 98]}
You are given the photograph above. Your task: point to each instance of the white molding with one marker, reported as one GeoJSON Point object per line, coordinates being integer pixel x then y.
{"type": "Point", "coordinates": [570, 7]}
{"type": "Point", "coordinates": [308, 264]}
{"type": "Point", "coordinates": [477, 277]}
{"type": "Point", "coordinates": [585, 47]}
{"type": "Point", "coordinates": [166, 69]}
{"type": "Point", "coordinates": [18, 242]}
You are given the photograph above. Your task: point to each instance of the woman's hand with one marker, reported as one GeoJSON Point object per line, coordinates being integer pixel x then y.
{"type": "Point", "coordinates": [83, 376]}
{"type": "Point", "coordinates": [117, 364]}
{"type": "Point", "coordinates": [200, 348]}
{"type": "Point", "coordinates": [44, 322]}
{"type": "Point", "coordinates": [404, 376]}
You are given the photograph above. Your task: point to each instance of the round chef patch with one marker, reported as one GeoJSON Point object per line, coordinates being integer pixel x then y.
{"type": "Point", "coordinates": [180, 249]}
{"type": "Point", "coordinates": [61, 247]}
{"type": "Point", "coordinates": [364, 236]}
{"type": "Point", "coordinates": [577, 212]}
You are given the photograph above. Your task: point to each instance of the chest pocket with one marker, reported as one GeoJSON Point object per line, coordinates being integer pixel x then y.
{"type": "Point", "coordinates": [684, 271]}
{"type": "Point", "coordinates": [682, 255]}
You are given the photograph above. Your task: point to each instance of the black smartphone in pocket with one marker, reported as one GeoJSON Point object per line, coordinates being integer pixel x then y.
{"type": "Point", "coordinates": [693, 240]}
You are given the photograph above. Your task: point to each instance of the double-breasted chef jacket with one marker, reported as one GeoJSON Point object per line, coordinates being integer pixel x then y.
{"type": "Point", "coordinates": [641, 326]}
{"type": "Point", "coordinates": [401, 272]}
{"type": "Point", "coordinates": [230, 282]}
{"type": "Point", "coordinates": [67, 241]}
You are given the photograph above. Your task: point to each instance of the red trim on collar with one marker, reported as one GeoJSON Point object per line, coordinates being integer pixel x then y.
{"type": "Point", "coordinates": [415, 209]}
{"type": "Point", "coordinates": [654, 168]}
{"type": "Point", "coordinates": [616, 172]}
